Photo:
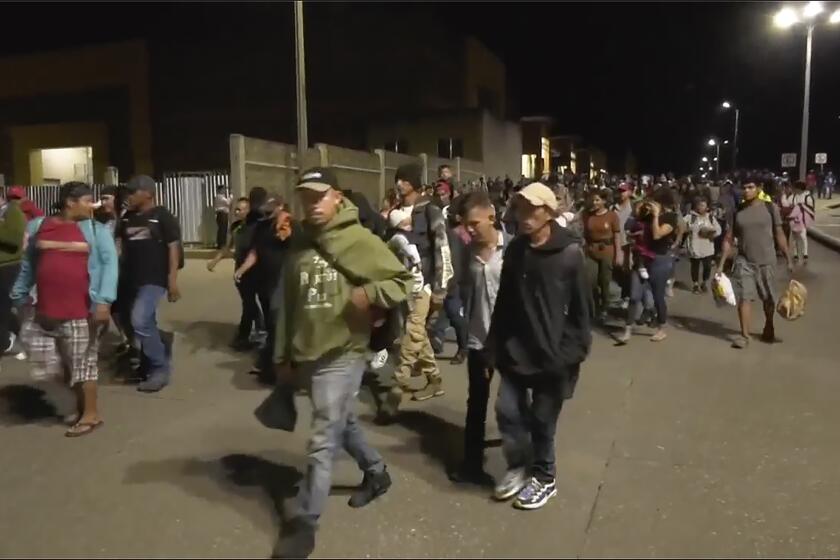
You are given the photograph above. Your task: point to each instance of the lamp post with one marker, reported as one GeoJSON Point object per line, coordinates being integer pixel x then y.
{"type": "Point", "coordinates": [784, 19]}
{"type": "Point", "coordinates": [714, 142]}
{"type": "Point", "coordinates": [300, 69]}
{"type": "Point", "coordinates": [728, 105]}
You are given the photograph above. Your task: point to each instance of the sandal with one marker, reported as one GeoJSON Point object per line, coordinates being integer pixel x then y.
{"type": "Point", "coordinates": [80, 429]}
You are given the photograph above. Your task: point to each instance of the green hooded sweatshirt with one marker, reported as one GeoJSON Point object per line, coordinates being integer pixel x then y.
{"type": "Point", "coordinates": [315, 317]}
{"type": "Point", "coordinates": [12, 228]}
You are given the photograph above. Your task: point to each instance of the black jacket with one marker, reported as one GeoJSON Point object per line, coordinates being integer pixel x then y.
{"type": "Point", "coordinates": [541, 321]}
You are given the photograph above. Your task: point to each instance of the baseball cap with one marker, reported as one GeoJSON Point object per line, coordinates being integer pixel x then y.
{"type": "Point", "coordinates": [625, 186]}
{"type": "Point", "coordinates": [539, 195]}
{"type": "Point", "coordinates": [320, 179]}
{"type": "Point", "coordinates": [141, 183]}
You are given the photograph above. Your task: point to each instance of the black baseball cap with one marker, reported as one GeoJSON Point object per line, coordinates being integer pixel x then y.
{"type": "Point", "coordinates": [320, 179]}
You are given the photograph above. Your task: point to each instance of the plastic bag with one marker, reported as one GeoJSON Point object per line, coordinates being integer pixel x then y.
{"type": "Point", "coordinates": [722, 290]}
{"type": "Point", "coordinates": [791, 305]}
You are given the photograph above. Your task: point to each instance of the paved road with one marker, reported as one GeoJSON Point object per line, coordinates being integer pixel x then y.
{"type": "Point", "coordinates": [683, 448]}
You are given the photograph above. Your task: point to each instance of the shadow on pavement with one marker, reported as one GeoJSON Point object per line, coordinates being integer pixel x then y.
{"type": "Point", "coordinates": [702, 326]}
{"type": "Point", "coordinates": [205, 335]}
{"type": "Point", "coordinates": [216, 480]}
{"type": "Point", "coordinates": [440, 440]}
{"type": "Point", "coordinates": [23, 404]}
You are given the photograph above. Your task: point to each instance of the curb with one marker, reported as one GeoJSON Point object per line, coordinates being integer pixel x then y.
{"type": "Point", "coordinates": [828, 240]}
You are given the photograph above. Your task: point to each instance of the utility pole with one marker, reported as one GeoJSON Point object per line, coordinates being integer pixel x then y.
{"type": "Point", "coordinates": [806, 104]}
{"type": "Point", "coordinates": [300, 67]}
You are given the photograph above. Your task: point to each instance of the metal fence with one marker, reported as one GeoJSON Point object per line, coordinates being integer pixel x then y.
{"type": "Point", "coordinates": [188, 195]}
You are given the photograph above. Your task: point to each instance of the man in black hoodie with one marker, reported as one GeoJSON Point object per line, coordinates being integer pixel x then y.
{"type": "Point", "coordinates": [539, 336]}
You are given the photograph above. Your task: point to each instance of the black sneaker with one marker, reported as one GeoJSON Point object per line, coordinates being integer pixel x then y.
{"type": "Point", "coordinates": [373, 486]}
{"type": "Point", "coordinates": [297, 540]}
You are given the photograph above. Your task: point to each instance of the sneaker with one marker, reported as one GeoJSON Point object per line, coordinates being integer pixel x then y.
{"type": "Point", "coordinates": [625, 304]}
{"type": "Point", "coordinates": [373, 486]}
{"type": "Point", "coordinates": [379, 360]}
{"type": "Point", "coordinates": [511, 484]}
{"type": "Point", "coordinates": [695, 289]}
{"type": "Point", "coordinates": [297, 540]}
{"type": "Point", "coordinates": [669, 290]}
{"type": "Point", "coordinates": [437, 346]}
{"type": "Point", "coordinates": [433, 389]}
{"type": "Point", "coordinates": [740, 342]}
{"type": "Point", "coordinates": [535, 495]}
{"type": "Point", "coordinates": [625, 336]}
{"type": "Point", "coordinates": [154, 383]}
{"type": "Point", "coordinates": [15, 349]}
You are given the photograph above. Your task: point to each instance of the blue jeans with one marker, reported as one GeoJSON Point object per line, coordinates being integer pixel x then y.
{"type": "Point", "coordinates": [146, 333]}
{"type": "Point", "coordinates": [335, 384]}
{"type": "Point", "coordinates": [528, 425]}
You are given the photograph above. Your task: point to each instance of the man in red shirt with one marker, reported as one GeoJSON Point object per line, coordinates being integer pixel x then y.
{"type": "Point", "coordinates": [73, 264]}
{"type": "Point", "coordinates": [30, 209]}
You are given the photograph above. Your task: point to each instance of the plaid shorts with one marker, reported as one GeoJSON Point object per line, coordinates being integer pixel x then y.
{"type": "Point", "coordinates": [70, 351]}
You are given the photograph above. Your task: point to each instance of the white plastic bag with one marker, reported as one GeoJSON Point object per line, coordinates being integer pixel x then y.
{"type": "Point", "coordinates": [722, 290]}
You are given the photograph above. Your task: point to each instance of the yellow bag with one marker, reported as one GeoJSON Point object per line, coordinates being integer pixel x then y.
{"type": "Point", "coordinates": [792, 303]}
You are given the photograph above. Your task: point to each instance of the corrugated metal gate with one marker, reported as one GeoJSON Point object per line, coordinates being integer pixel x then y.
{"type": "Point", "coordinates": [188, 195]}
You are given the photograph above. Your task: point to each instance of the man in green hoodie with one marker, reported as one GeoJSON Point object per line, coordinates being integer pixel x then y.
{"type": "Point", "coordinates": [338, 282]}
{"type": "Point", "coordinates": [12, 228]}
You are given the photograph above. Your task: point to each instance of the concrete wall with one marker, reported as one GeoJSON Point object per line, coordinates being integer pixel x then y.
{"type": "Point", "coordinates": [502, 147]}
{"type": "Point", "coordinates": [273, 166]}
{"type": "Point", "coordinates": [422, 134]}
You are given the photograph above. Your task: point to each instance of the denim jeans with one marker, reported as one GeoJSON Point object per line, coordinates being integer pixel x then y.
{"type": "Point", "coordinates": [146, 334]}
{"type": "Point", "coordinates": [335, 384]}
{"type": "Point", "coordinates": [453, 313]}
{"type": "Point", "coordinates": [528, 425]}
{"type": "Point", "coordinates": [641, 298]}
{"type": "Point", "coordinates": [475, 428]}
{"type": "Point", "coordinates": [660, 271]}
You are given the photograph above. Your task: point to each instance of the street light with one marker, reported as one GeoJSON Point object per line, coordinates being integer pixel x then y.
{"type": "Point", "coordinates": [704, 159]}
{"type": "Point", "coordinates": [714, 142]}
{"type": "Point", "coordinates": [727, 105]}
{"type": "Point", "coordinates": [784, 19]}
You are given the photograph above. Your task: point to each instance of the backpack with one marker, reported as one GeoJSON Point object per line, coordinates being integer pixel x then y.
{"type": "Point", "coordinates": [157, 233]}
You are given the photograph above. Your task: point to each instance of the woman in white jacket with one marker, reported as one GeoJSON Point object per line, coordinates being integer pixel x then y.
{"type": "Point", "coordinates": [703, 229]}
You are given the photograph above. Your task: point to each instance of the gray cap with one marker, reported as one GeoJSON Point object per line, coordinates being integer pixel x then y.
{"type": "Point", "coordinates": [141, 183]}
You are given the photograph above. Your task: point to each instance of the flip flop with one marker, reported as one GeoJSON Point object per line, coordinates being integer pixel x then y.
{"type": "Point", "coordinates": [82, 428]}
{"type": "Point", "coordinates": [659, 337]}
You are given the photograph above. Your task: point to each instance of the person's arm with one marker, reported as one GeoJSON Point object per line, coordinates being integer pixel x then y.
{"type": "Point", "coordinates": [619, 254]}
{"type": "Point", "coordinates": [779, 234]}
{"type": "Point", "coordinates": [659, 230]}
{"type": "Point", "coordinates": [172, 237]}
{"type": "Point", "coordinates": [224, 252]}
{"type": "Point", "coordinates": [726, 249]}
{"type": "Point", "coordinates": [443, 257]}
{"type": "Point", "coordinates": [105, 293]}
{"type": "Point", "coordinates": [13, 226]}
{"type": "Point", "coordinates": [26, 276]}
{"type": "Point", "coordinates": [248, 264]}
{"type": "Point", "coordinates": [579, 309]}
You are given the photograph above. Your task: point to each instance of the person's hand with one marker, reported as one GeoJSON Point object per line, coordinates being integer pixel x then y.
{"type": "Point", "coordinates": [488, 373]}
{"type": "Point", "coordinates": [436, 302]}
{"type": "Point", "coordinates": [102, 314]}
{"type": "Point", "coordinates": [237, 275]}
{"type": "Point", "coordinates": [655, 209]}
{"type": "Point", "coordinates": [174, 292]}
{"type": "Point", "coordinates": [211, 264]}
{"type": "Point", "coordinates": [619, 261]}
{"type": "Point", "coordinates": [285, 373]}
{"type": "Point", "coordinates": [790, 265]}
{"type": "Point", "coordinates": [359, 299]}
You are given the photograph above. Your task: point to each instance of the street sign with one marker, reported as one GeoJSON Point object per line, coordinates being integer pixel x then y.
{"type": "Point", "coordinates": [821, 158]}
{"type": "Point", "coordinates": [788, 160]}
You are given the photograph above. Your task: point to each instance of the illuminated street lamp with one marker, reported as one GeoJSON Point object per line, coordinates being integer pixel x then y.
{"type": "Point", "coordinates": [784, 19]}
{"type": "Point", "coordinates": [704, 159]}
{"type": "Point", "coordinates": [716, 144]}
{"type": "Point", "coordinates": [727, 105]}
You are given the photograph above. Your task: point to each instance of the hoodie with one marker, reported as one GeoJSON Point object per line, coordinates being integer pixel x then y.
{"type": "Point", "coordinates": [12, 229]}
{"type": "Point", "coordinates": [315, 317]}
{"type": "Point", "coordinates": [541, 322]}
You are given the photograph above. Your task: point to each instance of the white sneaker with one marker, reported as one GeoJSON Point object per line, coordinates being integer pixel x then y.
{"type": "Point", "coordinates": [379, 359]}
{"type": "Point", "coordinates": [511, 484]}
{"type": "Point", "coordinates": [625, 304]}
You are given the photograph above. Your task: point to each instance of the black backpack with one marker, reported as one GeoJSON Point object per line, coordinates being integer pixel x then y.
{"type": "Point", "coordinates": [157, 233]}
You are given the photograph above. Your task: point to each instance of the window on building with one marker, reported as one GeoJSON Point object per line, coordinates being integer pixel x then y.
{"type": "Point", "coordinates": [400, 146]}
{"type": "Point", "coordinates": [450, 148]}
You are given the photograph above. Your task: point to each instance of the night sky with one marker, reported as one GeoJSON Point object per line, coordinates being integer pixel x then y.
{"type": "Point", "coordinates": [642, 77]}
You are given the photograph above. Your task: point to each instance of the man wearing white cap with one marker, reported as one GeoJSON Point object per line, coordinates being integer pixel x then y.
{"type": "Point", "coordinates": [539, 336]}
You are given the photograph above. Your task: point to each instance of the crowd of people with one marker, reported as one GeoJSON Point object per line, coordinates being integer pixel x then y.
{"type": "Point", "coordinates": [520, 272]}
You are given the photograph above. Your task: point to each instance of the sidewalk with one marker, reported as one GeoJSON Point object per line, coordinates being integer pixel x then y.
{"type": "Point", "coordinates": [826, 230]}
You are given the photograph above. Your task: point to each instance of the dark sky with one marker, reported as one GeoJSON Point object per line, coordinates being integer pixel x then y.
{"type": "Point", "coordinates": [645, 77]}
